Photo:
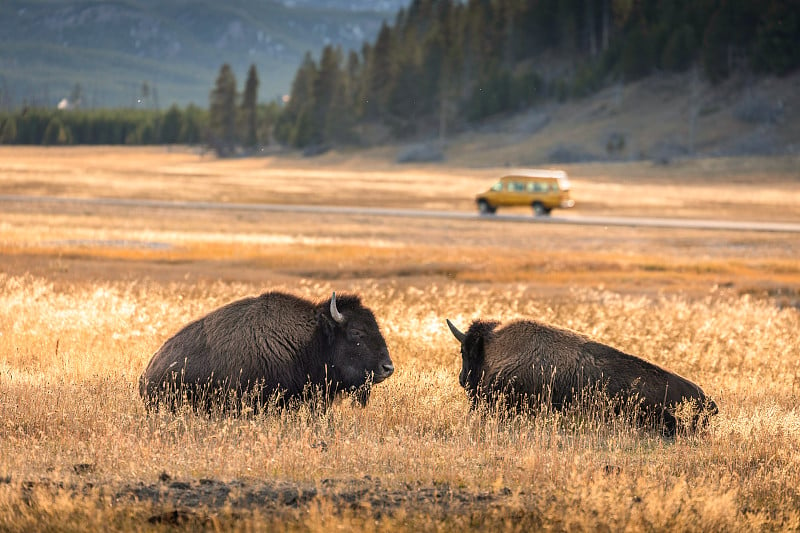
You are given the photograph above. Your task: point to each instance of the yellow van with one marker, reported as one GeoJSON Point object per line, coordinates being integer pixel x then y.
{"type": "Point", "coordinates": [543, 190]}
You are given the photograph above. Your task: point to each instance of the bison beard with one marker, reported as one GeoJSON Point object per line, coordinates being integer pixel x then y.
{"type": "Point", "coordinates": [526, 364]}
{"type": "Point", "coordinates": [272, 349]}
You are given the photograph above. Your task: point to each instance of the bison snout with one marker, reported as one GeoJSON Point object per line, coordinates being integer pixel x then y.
{"type": "Point", "coordinates": [386, 370]}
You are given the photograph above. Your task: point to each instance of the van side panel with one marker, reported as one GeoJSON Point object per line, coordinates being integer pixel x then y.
{"type": "Point", "coordinates": [550, 188]}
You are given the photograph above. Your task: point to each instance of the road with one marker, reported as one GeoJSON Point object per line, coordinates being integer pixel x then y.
{"type": "Point", "coordinates": [651, 222]}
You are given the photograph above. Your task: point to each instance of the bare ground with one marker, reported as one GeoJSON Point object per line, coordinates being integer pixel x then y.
{"type": "Point", "coordinates": [198, 501]}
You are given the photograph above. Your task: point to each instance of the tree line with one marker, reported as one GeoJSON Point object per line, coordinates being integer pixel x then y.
{"type": "Point", "coordinates": [45, 126]}
{"type": "Point", "coordinates": [443, 64]}
{"type": "Point", "coordinates": [232, 122]}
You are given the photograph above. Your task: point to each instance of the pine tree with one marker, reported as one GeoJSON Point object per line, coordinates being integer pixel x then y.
{"type": "Point", "coordinates": [325, 86]}
{"type": "Point", "coordinates": [249, 108]}
{"type": "Point", "coordinates": [777, 38]}
{"type": "Point", "coordinates": [379, 75]}
{"type": "Point", "coordinates": [406, 91]}
{"type": "Point", "coordinates": [56, 133]}
{"type": "Point", "coordinates": [222, 112]}
{"type": "Point", "coordinates": [193, 123]}
{"type": "Point", "coordinates": [8, 132]}
{"type": "Point", "coordinates": [171, 125]}
{"type": "Point", "coordinates": [339, 119]}
{"type": "Point", "coordinates": [295, 125]}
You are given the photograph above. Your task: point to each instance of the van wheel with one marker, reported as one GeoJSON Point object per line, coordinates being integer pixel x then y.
{"type": "Point", "coordinates": [485, 208]}
{"type": "Point", "coordinates": [540, 210]}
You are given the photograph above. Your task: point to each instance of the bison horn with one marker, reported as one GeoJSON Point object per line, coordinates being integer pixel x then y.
{"type": "Point", "coordinates": [454, 330]}
{"type": "Point", "coordinates": [337, 316]}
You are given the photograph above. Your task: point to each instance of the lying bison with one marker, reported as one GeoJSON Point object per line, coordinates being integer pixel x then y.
{"type": "Point", "coordinates": [527, 363]}
{"type": "Point", "coordinates": [274, 347]}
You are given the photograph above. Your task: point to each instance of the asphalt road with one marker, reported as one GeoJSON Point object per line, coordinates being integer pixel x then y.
{"type": "Point", "coordinates": [650, 222]}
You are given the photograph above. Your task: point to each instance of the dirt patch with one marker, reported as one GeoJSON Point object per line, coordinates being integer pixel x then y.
{"type": "Point", "coordinates": [178, 502]}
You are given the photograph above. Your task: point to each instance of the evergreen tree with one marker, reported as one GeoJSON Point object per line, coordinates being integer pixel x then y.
{"type": "Point", "coordinates": [406, 95]}
{"type": "Point", "coordinates": [379, 74]}
{"type": "Point", "coordinates": [8, 131]}
{"type": "Point", "coordinates": [443, 63]}
{"type": "Point", "coordinates": [776, 48]}
{"type": "Point", "coordinates": [352, 79]}
{"type": "Point", "coordinates": [55, 133]}
{"type": "Point", "coordinates": [171, 126]}
{"type": "Point", "coordinates": [479, 39]}
{"type": "Point", "coordinates": [143, 132]}
{"type": "Point", "coordinates": [193, 124]}
{"type": "Point", "coordinates": [345, 110]}
{"type": "Point", "coordinates": [249, 108]}
{"type": "Point", "coordinates": [303, 131]}
{"type": "Point", "coordinates": [728, 36]}
{"type": "Point", "coordinates": [326, 84]}
{"type": "Point", "coordinates": [479, 57]}
{"type": "Point", "coordinates": [267, 116]}
{"type": "Point", "coordinates": [295, 124]}
{"type": "Point", "coordinates": [680, 49]}
{"type": "Point", "coordinates": [222, 112]}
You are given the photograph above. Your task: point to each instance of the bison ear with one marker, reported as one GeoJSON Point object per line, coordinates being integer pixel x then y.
{"type": "Point", "coordinates": [327, 324]}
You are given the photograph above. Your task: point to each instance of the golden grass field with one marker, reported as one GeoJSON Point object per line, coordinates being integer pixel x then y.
{"type": "Point", "coordinates": [87, 294]}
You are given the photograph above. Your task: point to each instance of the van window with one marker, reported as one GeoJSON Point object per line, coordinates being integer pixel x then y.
{"type": "Point", "coordinates": [497, 186]}
{"type": "Point", "coordinates": [516, 186]}
{"type": "Point", "coordinates": [536, 186]}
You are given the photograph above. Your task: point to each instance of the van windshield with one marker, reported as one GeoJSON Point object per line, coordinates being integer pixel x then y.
{"type": "Point", "coordinates": [497, 186]}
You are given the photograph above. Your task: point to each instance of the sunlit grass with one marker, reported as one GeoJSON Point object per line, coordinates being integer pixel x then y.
{"type": "Point", "coordinates": [70, 358]}
{"type": "Point", "coordinates": [756, 188]}
{"type": "Point", "coordinates": [88, 295]}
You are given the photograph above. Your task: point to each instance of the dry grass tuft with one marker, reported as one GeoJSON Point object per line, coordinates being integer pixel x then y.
{"type": "Point", "coordinates": [77, 436]}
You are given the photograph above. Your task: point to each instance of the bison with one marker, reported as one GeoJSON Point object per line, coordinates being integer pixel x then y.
{"type": "Point", "coordinates": [525, 363]}
{"type": "Point", "coordinates": [273, 347]}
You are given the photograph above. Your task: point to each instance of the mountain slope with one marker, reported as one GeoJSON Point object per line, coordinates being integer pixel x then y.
{"type": "Point", "coordinates": [111, 48]}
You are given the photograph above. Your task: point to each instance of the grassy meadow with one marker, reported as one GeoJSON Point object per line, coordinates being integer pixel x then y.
{"type": "Point", "coordinates": [87, 294]}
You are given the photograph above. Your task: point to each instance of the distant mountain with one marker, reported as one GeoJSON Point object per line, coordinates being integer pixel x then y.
{"type": "Point", "coordinates": [381, 6]}
{"type": "Point", "coordinates": [155, 53]}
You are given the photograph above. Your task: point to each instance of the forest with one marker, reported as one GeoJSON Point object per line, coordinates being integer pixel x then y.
{"type": "Point", "coordinates": [444, 65]}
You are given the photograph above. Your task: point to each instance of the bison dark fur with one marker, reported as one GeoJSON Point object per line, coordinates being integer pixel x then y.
{"type": "Point", "coordinates": [273, 347]}
{"type": "Point", "coordinates": [526, 363]}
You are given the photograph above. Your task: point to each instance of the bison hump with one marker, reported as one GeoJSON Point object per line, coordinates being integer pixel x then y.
{"type": "Point", "coordinates": [272, 329]}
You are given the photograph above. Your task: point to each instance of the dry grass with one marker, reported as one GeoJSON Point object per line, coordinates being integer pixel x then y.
{"type": "Point", "coordinates": [81, 314]}
{"type": "Point", "coordinates": [71, 358]}
{"type": "Point", "coordinates": [750, 189]}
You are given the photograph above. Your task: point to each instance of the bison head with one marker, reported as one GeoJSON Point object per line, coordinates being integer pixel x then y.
{"type": "Point", "coordinates": [473, 346]}
{"type": "Point", "coordinates": [358, 353]}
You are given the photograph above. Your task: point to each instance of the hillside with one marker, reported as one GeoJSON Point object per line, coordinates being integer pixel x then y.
{"type": "Point", "coordinates": [111, 48]}
{"type": "Point", "coordinates": [660, 118]}
{"type": "Point", "coordinates": [650, 119]}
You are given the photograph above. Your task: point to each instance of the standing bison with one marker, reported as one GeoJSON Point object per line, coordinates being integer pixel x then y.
{"type": "Point", "coordinates": [527, 363]}
{"type": "Point", "coordinates": [274, 347]}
